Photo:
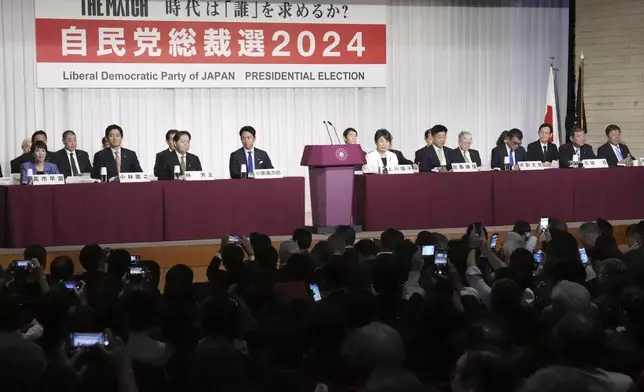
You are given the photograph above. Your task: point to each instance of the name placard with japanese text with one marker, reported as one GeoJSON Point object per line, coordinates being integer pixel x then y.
{"type": "Point", "coordinates": [209, 44]}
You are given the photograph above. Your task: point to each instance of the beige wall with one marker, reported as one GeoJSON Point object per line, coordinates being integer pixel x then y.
{"type": "Point", "coordinates": [611, 35]}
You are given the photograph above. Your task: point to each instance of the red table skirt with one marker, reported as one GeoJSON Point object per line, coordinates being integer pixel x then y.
{"type": "Point", "coordinates": [212, 209]}
{"type": "Point", "coordinates": [445, 200]}
{"type": "Point", "coordinates": [56, 215]}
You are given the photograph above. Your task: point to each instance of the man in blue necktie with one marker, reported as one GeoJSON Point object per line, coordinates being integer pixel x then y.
{"type": "Point", "coordinates": [614, 151]}
{"type": "Point", "coordinates": [511, 149]}
{"type": "Point", "coordinates": [249, 156]}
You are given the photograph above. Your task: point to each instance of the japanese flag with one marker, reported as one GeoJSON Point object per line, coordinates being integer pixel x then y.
{"type": "Point", "coordinates": [552, 115]}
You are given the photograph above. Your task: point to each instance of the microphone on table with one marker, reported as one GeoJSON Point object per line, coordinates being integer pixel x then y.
{"type": "Point", "coordinates": [327, 131]}
{"type": "Point", "coordinates": [336, 132]}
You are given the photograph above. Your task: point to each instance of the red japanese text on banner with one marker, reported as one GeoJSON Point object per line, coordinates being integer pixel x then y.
{"type": "Point", "coordinates": [193, 44]}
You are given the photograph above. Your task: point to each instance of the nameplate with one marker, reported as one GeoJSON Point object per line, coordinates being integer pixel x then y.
{"type": "Point", "coordinates": [531, 165]}
{"type": "Point", "coordinates": [199, 176]}
{"type": "Point", "coordinates": [594, 163]}
{"type": "Point", "coordinates": [7, 181]}
{"type": "Point", "coordinates": [464, 167]}
{"type": "Point", "coordinates": [263, 174]}
{"type": "Point", "coordinates": [641, 161]}
{"type": "Point", "coordinates": [80, 180]}
{"type": "Point", "coordinates": [48, 179]}
{"type": "Point", "coordinates": [134, 177]}
{"type": "Point", "coordinates": [401, 169]}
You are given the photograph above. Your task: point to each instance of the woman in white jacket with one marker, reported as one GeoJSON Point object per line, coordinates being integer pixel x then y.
{"type": "Point", "coordinates": [381, 158]}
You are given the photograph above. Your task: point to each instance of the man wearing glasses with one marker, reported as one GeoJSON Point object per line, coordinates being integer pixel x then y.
{"type": "Point", "coordinates": [464, 154]}
{"type": "Point", "coordinates": [511, 149]}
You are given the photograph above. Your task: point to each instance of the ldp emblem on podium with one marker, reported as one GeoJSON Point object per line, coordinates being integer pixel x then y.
{"type": "Point", "coordinates": [341, 154]}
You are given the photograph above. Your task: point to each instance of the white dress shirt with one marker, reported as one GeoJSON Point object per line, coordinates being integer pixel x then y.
{"type": "Point", "coordinates": [442, 161]}
{"type": "Point", "coordinates": [466, 156]}
{"type": "Point", "coordinates": [114, 151]}
{"type": "Point", "coordinates": [617, 152]}
{"type": "Point", "coordinates": [543, 146]}
{"type": "Point", "coordinates": [75, 161]}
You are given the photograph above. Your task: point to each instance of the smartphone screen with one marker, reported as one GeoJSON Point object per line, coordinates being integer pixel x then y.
{"type": "Point", "coordinates": [22, 263]}
{"type": "Point", "coordinates": [137, 271]}
{"type": "Point", "coordinates": [72, 285]}
{"type": "Point", "coordinates": [233, 239]}
{"type": "Point", "coordinates": [494, 240]}
{"type": "Point", "coordinates": [538, 257]}
{"type": "Point", "coordinates": [427, 250]}
{"type": "Point", "coordinates": [87, 339]}
{"type": "Point", "coordinates": [316, 291]}
{"type": "Point", "coordinates": [135, 259]}
{"type": "Point", "coordinates": [583, 255]}
{"type": "Point", "coordinates": [544, 222]}
{"type": "Point", "coordinates": [441, 263]}
{"type": "Point", "coordinates": [527, 236]}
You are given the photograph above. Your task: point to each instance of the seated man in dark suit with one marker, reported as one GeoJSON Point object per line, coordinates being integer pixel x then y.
{"type": "Point", "coordinates": [464, 154]}
{"type": "Point", "coordinates": [351, 137]}
{"type": "Point", "coordinates": [116, 159]}
{"type": "Point", "coordinates": [248, 155]}
{"type": "Point", "coordinates": [169, 140]}
{"type": "Point", "coordinates": [434, 156]}
{"type": "Point", "coordinates": [27, 157]}
{"type": "Point", "coordinates": [429, 140]}
{"type": "Point", "coordinates": [614, 151]}
{"type": "Point", "coordinates": [179, 157]}
{"type": "Point", "coordinates": [542, 150]}
{"type": "Point", "coordinates": [577, 147]}
{"type": "Point", "coordinates": [70, 161]}
{"type": "Point", "coordinates": [511, 149]}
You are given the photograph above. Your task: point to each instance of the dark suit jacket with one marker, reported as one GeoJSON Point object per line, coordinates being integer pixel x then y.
{"type": "Point", "coordinates": [535, 152]}
{"type": "Point", "coordinates": [61, 159]}
{"type": "Point", "coordinates": [168, 160]}
{"type": "Point", "coordinates": [156, 161]}
{"type": "Point", "coordinates": [566, 151]}
{"type": "Point", "coordinates": [499, 154]}
{"type": "Point", "coordinates": [427, 158]}
{"type": "Point", "coordinates": [27, 157]}
{"type": "Point", "coordinates": [401, 158]}
{"type": "Point", "coordinates": [238, 158]}
{"type": "Point", "coordinates": [105, 158]}
{"type": "Point", "coordinates": [605, 151]}
{"type": "Point", "coordinates": [456, 156]}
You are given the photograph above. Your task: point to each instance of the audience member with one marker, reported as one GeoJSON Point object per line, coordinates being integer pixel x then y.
{"type": "Point", "coordinates": [371, 315]}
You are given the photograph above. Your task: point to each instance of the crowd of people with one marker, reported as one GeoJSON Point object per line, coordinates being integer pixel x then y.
{"type": "Point", "coordinates": [343, 315]}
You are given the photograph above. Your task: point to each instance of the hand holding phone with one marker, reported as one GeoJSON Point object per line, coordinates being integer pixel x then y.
{"type": "Point", "coordinates": [440, 263]}
{"type": "Point", "coordinates": [544, 223]}
{"type": "Point", "coordinates": [85, 340]}
{"type": "Point", "coordinates": [316, 291]}
{"type": "Point", "coordinates": [494, 240]}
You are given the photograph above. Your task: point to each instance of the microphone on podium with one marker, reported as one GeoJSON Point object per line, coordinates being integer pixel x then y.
{"type": "Point", "coordinates": [327, 131]}
{"type": "Point", "coordinates": [336, 132]}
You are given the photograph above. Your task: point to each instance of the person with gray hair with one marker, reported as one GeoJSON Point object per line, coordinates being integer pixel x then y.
{"type": "Point", "coordinates": [588, 234]}
{"type": "Point", "coordinates": [26, 145]}
{"type": "Point", "coordinates": [464, 154]}
{"type": "Point", "coordinates": [288, 249]}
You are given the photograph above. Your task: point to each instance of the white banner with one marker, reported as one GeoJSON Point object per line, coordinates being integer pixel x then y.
{"type": "Point", "coordinates": [193, 44]}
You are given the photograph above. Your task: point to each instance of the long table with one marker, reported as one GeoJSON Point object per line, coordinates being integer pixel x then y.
{"type": "Point", "coordinates": [148, 212]}
{"type": "Point", "coordinates": [444, 200]}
